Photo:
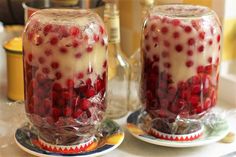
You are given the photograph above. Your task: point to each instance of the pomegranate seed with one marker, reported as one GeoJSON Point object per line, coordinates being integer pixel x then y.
{"type": "Point", "coordinates": [67, 95]}
{"type": "Point", "coordinates": [95, 37]}
{"type": "Point", "coordinates": [210, 42]}
{"type": "Point", "coordinates": [53, 40]}
{"type": "Point", "coordinates": [45, 70]}
{"type": "Point", "coordinates": [30, 57]}
{"type": "Point", "coordinates": [67, 111]}
{"type": "Point", "coordinates": [47, 29]}
{"type": "Point", "coordinates": [209, 60]}
{"type": "Point", "coordinates": [208, 69]}
{"type": "Point", "coordinates": [74, 31]}
{"type": "Point", "coordinates": [178, 48]}
{"type": "Point", "coordinates": [202, 35]}
{"type": "Point", "coordinates": [182, 85]}
{"type": "Point", "coordinates": [218, 38]}
{"type": "Point", "coordinates": [200, 48]}
{"type": "Point", "coordinates": [90, 92]}
{"type": "Point", "coordinates": [176, 35]}
{"type": "Point", "coordinates": [63, 50]}
{"type": "Point", "coordinates": [189, 63]}
{"type": "Point", "coordinates": [166, 43]}
{"type": "Point", "coordinates": [58, 75]}
{"type": "Point", "coordinates": [191, 41]}
{"type": "Point", "coordinates": [165, 54]}
{"type": "Point", "coordinates": [104, 64]}
{"type": "Point", "coordinates": [57, 87]}
{"type": "Point", "coordinates": [89, 48]}
{"type": "Point", "coordinates": [80, 75]}
{"type": "Point", "coordinates": [54, 65]}
{"type": "Point", "coordinates": [78, 55]}
{"type": "Point", "coordinates": [167, 65]}
{"type": "Point", "coordinates": [153, 27]}
{"type": "Point", "coordinates": [164, 30]}
{"type": "Point", "coordinates": [187, 29]}
{"type": "Point", "coordinates": [78, 113]}
{"type": "Point", "coordinates": [70, 83]}
{"type": "Point", "coordinates": [195, 80]}
{"type": "Point", "coordinates": [41, 60]}
{"type": "Point", "coordinates": [175, 22]}
{"type": "Point", "coordinates": [56, 113]}
{"type": "Point", "coordinates": [48, 52]}
{"type": "Point", "coordinates": [190, 52]}
{"type": "Point", "coordinates": [85, 104]}
{"type": "Point", "coordinates": [200, 69]}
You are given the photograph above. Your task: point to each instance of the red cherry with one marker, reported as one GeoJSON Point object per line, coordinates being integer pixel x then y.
{"type": "Point", "coordinates": [200, 69]}
{"type": "Point", "coordinates": [178, 48]}
{"type": "Point", "coordinates": [53, 40]}
{"type": "Point", "coordinates": [85, 104]}
{"type": "Point", "coordinates": [196, 89]}
{"type": "Point", "coordinates": [54, 65]}
{"type": "Point", "coordinates": [191, 41]}
{"type": "Point", "coordinates": [187, 29]}
{"type": "Point", "coordinates": [189, 63]}
{"type": "Point", "coordinates": [200, 48]}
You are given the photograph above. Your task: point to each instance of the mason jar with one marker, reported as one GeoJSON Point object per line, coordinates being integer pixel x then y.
{"type": "Point", "coordinates": [65, 74]}
{"type": "Point", "coordinates": [180, 51]}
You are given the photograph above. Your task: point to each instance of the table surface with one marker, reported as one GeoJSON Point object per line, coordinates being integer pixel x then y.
{"type": "Point", "coordinates": [11, 118]}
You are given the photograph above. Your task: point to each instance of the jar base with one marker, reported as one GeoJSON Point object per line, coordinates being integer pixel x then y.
{"type": "Point", "coordinates": [68, 149]}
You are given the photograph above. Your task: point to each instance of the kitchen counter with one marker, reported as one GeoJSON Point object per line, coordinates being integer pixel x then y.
{"type": "Point", "coordinates": [12, 116]}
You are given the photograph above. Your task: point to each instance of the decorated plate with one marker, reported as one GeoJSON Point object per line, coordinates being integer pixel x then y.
{"type": "Point", "coordinates": [28, 141]}
{"type": "Point", "coordinates": [210, 134]}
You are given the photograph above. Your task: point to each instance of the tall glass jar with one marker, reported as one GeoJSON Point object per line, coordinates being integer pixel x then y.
{"type": "Point", "coordinates": [65, 74]}
{"type": "Point", "coordinates": [180, 62]}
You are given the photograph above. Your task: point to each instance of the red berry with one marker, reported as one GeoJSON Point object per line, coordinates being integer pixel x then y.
{"type": "Point", "coordinates": [77, 113]}
{"type": "Point", "coordinates": [53, 40]}
{"type": "Point", "coordinates": [95, 37]}
{"type": "Point", "coordinates": [166, 43]}
{"type": "Point", "coordinates": [195, 80]}
{"type": "Point", "coordinates": [210, 42]}
{"type": "Point", "coordinates": [63, 49]}
{"type": "Point", "coordinates": [175, 22]}
{"type": "Point", "coordinates": [176, 35]}
{"type": "Point", "coordinates": [70, 83]}
{"type": "Point", "coordinates": [200, 48]}
{"type": "Point", "coordinates": [58, 75]}
{"type": "Point", "coordinates": [194, 100]}
{"type": "Point", "coordinates": [57, 87]}
{"type": "Point", "coordinates": [54, 65]}
{"type": "Point", "coordinates": [48, 52]}
{"type": "Point", "coordinates": [218, 38]}
{"type": "Point", "coordinates": [202, 35]}
{"type": "Point", "coordinates": [41, 60]}
{"type": "Point", "coordinates": [178, 48]}
{"type": "Point", "coordinates": [30, 57]}
{"type": "Point", "coordinates": [90, 92]}
{"type": "Point", "coordinates": [200, 69]}
{"type": "Point", "coordinates": [78, 55]}
{"type": "Point", "coordinates": [190, 52]}
{"type": "Point", "coordinates": [45, 70]}
{"type": "Point", "coordinates": [187, 29]}
{"type": "Point", "coordinates": [196, 89]}
{"type": "Point", "coordinates": [80, 75]}
{"type": "Point", "coordinates": [191, 41]}
{"type": "Point", "coordinates": [67, 111]}
{"type": "Point", "coordinates": [85, 104]}
{"type": "Point", "coordinates": [89, 48]}
{"type": "Point", "coordinates": [189, 63]}
{"type": "Point", "coordinates": [164, 30]}
{"type": "Point", "coordinates": [74, 31]}
{"type": "Point", "coordinates": [47, 29]}
{"type": "Point", "coordinates": [209, 60]}
{"type": "Point", "coordinates": [208, 69]}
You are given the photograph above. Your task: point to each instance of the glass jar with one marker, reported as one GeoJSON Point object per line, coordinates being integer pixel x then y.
{"type": "Point", "coordinates": [65, 74]}
{"type": "Point", "coordinates": [180, 61]}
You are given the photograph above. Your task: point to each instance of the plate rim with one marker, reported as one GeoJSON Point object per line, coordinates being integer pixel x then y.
{"type": "Point", "coordinates": [176, 144]}
{"type": "Point", "coordinates": [32, 152]}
